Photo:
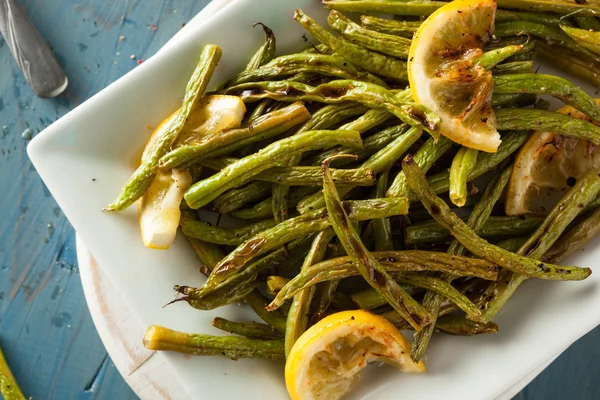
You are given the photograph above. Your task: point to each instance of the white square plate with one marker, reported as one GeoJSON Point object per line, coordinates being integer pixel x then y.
{"type": "Point", "coordinates": [85, 157]}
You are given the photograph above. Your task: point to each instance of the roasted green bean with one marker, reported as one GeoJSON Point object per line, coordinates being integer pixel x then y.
{"type": "Point", "coordinates": [382, 228]}
{"type": "Point", "coordinates": [433, 232]}
{"type": "Point", "coordinates": [315, 221]}
{"type": "Point", "coordinates": [313, 63]}
{"type": "Point", "coordinates": [463, 163]}
{"type": "Point", "coordinates": [203, 192]}
{"type": "Point", "coordinates": [224, 142]}
{"type": "Point", "coordinates": [390, 45]}
{"type": "Point", "coordinates": [371, 61]}
{"type": "Point", "coordinates": [366, 263]}
{"type": "Point", "coordinates": [266, 52]}
{"type": "Point", "coordinates": [555, 86]}
{"type": "Point", "coordinates": [562, 214]}
{"type": "Point", "coordinates": [298, 315]}
{"type": "Point", "coordinates": [252, 330]}
{"type": "Point", "coordinates": [401, 28]}
{"type": "Point", "coordinates": [167, 134]}
{"type": "Point", "coordinates": [338, 91]}
{"type": "Point", "coordinates": [227, 236]}
{"type": "Point", "coordinates": [469, 239]}
{"type": "Point", "coordinates": [161, 338]}
{"type": "Point", "coordinates": [408, 7]}
{"type": "Point", "coordinates": [425, 157]}
{"type": "Point", "coordinates": [548, 121]}
{"type": "Point", "coordinates": [237, 197]}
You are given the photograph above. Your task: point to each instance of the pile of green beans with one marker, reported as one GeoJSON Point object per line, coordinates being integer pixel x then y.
{"type": "Point", "coordinates": [322, 181]}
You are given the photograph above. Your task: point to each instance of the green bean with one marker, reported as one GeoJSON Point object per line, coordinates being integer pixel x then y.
{"type": "Point", "coordinates": [298, 316]}
{"type": "Point", "coordinates": [538, 17]}
{"type": "Point", "coordinates": [237, 197]}
{"type": "Point", "coordinates": [379, 162]}
{"type": "Point", "coordinates": [372, 144]}
{"type": "Point", "coordinates": [275, 283]}
{"type": "Point", "coordinates": [9, 388]}
{"type": "Point", "coordinates": [382, 228]}
{"type": "Point", "coordinates": [515, 67]}
{"type": "Point", "coordinates": [161, 338]}
{"type": "Point", "coordinates": [401, 324]}
{"type": "Point", "coordinates": [252, 330]}
{"type": "Point", "coordinates": [562, 214]}
{"type": "Point", "coordinates": [226, 236]}
{"type": "Point", "coordinates": [549, 34]}
{"type": "Point", "coordinates": [468, 238]}
{"type": "Point", "coordinates": [227, 291]}
{"type": "Point", "coordinates": [477, 219]}
{"type": "Point", "coordinates": [574, 239]}
{"type": "Point", "coordinates": [209, 253]}
{"type": "Point", "coordinates": [332, 114]}
{"type": "Point", "coordinates": [258, 111]}
{"type": "Point", "coordinates": [311, 176]}
{"type": "Point", "coordinates": [512, 244]}
{"type": "Point", "coordinates": [409, 7]}
{"type": "Point", "coordinates": [459, 325]}
{"type": "Point", "coordinates": [290, 229]}
{"type": "Point", "coordinates": [376, 142]}
{"type": "Point", "coordinates": [401, 28]}
{"type": "Point", "coordinates": [257, 302]}
{"type": "Point", "coordinates": [584, 37]}
{"type": "Point", "coordinates": [371, 61]}
{"type": "Point", "coordinates": [224, 142]}
{"type": "Point", "coordinates": [390, 45]}
{"type": "Point", "coordinates": [555, 86]}
{"type": "Point", "coordinates": [392, 261]}
{"type": "Point", "coordinates": [512, 100]}
{"type": "Point", "coordinates": [587, 23]}
{"type": "Point", "coordinates": [425, 157]}
{"type": "Point", "coordinates": [571, 62]}
{"type": "Point", "coordinates": [554, 6]}
{"type": "Point", "coordinates": [443, 288]}
{"type": "Point", "coordinates": [547, 121]}
{"type": "Point", "coordinates": [369, 299]}
{"type": "Point", "coordinates": [312, 63]}
{"type": "Point", "coordinates": [369, 94]}
{"type": "Point", "coordinates": [511, 141]}
{"type": "Point", "coordinates": [263, 209]}
{"type": "Point", "coordinates": [366, 263]}
{"type": "Point", "coordinates": [167, 134]}
{"type": "Point", "coordinates": [324, 118]}
{"type": "Point", "coordinates": [432, 232]}
{"type": "Point", "coordinates": [492, 58]}
{"type": "Point", "coordinates": [203, 192]}
{"type": "Point", "coordinates": [266, 52]}
{"type": "Point", "coordinates": [463, 163]}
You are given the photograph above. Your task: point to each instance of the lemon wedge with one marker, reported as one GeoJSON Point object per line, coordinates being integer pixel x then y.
{"type": "Point", "coordinates": [445, 77]}
{"type": "Point", "coordinates": [213, 114]}
{"type": "Point", "coordinates": [325, 362]}
{"type": "Point", "coordinates": [158, 209]}
{"type": "Point", "coordinates": [548, 163]}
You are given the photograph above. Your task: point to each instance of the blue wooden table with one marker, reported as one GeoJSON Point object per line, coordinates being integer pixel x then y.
{"type": "Point", "coordinates": [45, 327]}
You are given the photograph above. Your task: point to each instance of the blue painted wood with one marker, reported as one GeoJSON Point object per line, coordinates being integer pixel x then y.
{"type": "Point", "coordinates": [45, 327]}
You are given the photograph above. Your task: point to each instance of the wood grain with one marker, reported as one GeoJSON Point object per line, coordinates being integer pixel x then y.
{"type": "Point", "coordinates": [45, 326]}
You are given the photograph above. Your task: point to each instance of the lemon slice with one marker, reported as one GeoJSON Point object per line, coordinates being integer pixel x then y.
{"type": "Point", "coordinates": [213, 114]}
{"type": "Point", "coordinates": [444, 76]}
{"type": "Point", "coordinates": [325, 362]}
{"type": "Point", "coordinates": [158, 209]}
{"type": "Point", "coordinates": [548, 163]}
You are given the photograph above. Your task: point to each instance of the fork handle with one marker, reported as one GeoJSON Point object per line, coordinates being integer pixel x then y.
{"type": "Point", "coordinates": [32, 54]}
